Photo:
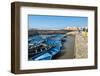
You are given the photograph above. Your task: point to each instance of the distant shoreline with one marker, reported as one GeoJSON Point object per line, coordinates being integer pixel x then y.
{"type": "Point", "coordinates": [45, 32]}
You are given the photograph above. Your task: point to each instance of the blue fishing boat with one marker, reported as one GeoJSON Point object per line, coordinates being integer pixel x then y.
{"type": "Point", "coordinates": [45, 49]}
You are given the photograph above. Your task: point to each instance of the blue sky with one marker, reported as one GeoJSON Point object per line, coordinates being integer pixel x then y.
{"type": "Point", "coordinates": [55, 22]}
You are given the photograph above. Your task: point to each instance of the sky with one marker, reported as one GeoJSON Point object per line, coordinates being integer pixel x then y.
{"type": "Point", "coordinates": [48, 22]}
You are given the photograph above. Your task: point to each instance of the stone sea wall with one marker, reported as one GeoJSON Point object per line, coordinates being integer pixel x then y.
{"type": "Point", "coordinates": [81, 45]}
